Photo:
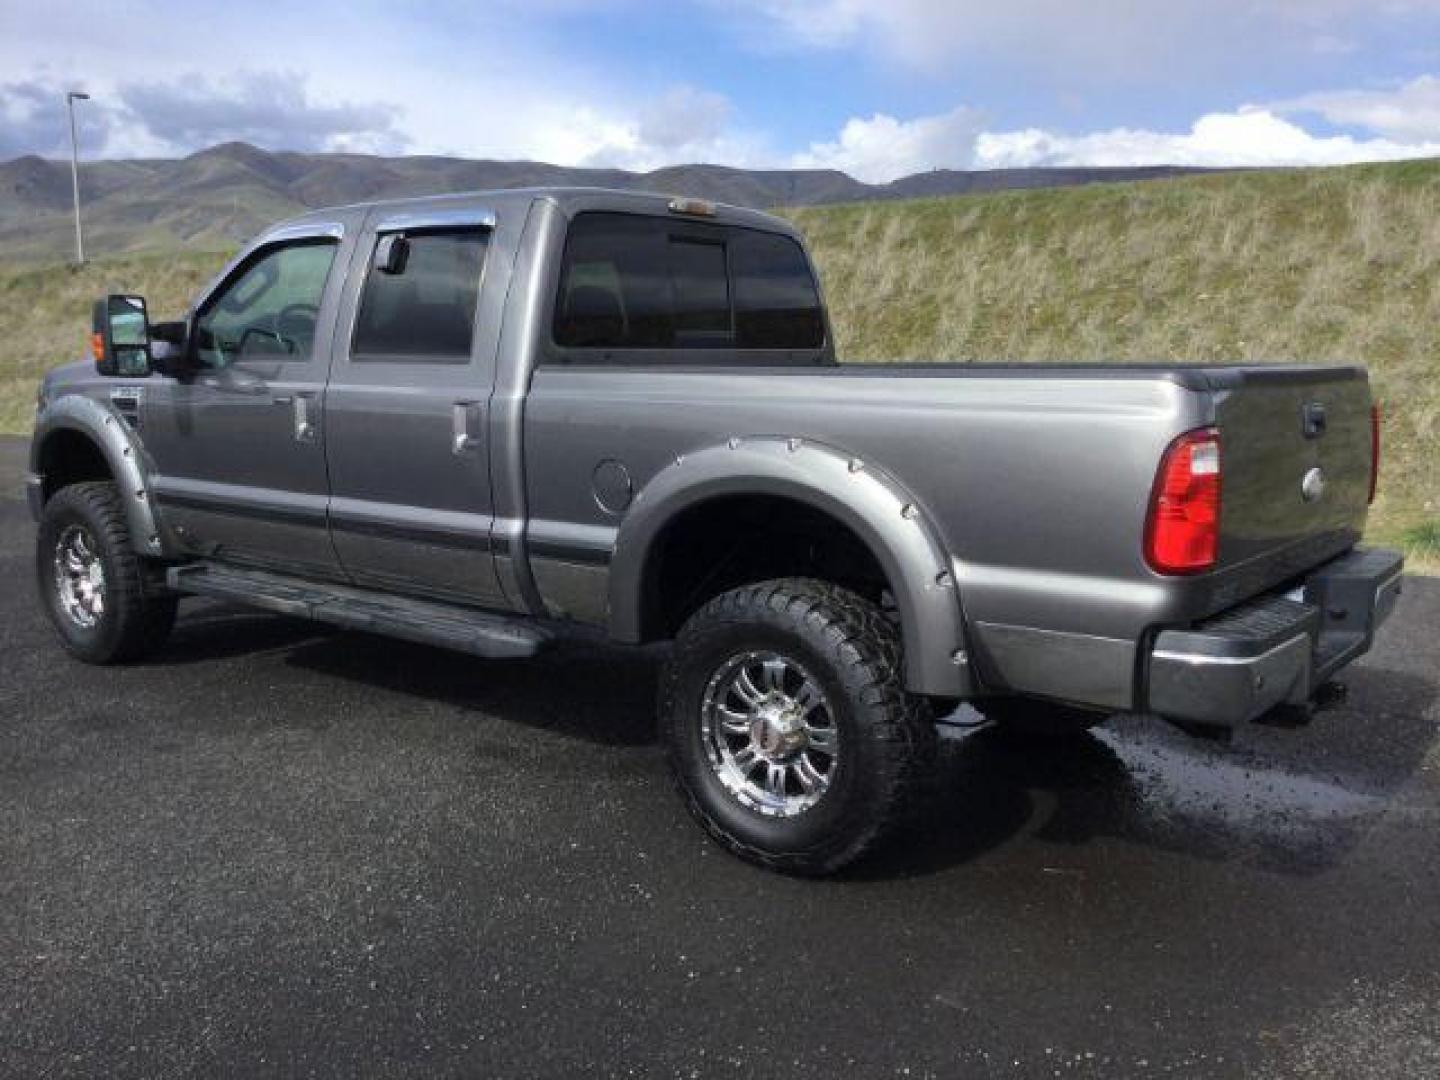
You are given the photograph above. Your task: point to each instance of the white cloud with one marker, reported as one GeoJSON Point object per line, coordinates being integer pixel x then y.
{"type": "Point", "coordinates": [375, 79]}
{"type": "Point", "coordinates": [1250, 137]}
{"type": "Point", "coordinates": [1112, 39]}
{"type": "Point", "coordinates": [881, 148]}
{"type": "Point", "coordinates": [256, 106]}
{"type": "Point", "coordinates": [1408, 113]}
{"type": "Point", "coordinates": [465, 81]}
{"type": "Point", "coordinates": [683, 125]}
{"type": "Point", "coordinates": [684, 116]}
{"type": "Point", "coordinates": [33, 119]}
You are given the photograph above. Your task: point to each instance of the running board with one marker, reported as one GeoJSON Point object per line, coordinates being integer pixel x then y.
{"type": "Point", "coordinates": [449, 626]}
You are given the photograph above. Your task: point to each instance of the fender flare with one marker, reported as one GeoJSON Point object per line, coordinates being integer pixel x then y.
{"type": "Point", "coordinates": [122, 452]}
{"type": "Point", "coordinates": [868, 501]}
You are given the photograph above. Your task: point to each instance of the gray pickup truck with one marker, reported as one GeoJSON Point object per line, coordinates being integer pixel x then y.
{"type": "Point", "coordinates": [492, 421]}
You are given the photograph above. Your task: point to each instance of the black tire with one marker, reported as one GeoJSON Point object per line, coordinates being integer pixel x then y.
{"type": "Point", "coordinates": [886, 737]}
{"type": "Point", "coordinates": [1039, 719]}
{"type": "Point", "coordinates": [135, 620]}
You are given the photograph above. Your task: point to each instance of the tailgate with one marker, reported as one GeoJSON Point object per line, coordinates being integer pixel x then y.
{"type": "Point", "coordinates": [1295, 450]}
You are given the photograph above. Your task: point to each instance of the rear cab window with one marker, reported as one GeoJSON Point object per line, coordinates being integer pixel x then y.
{"type": "Point", "coordinates": [636, 289]}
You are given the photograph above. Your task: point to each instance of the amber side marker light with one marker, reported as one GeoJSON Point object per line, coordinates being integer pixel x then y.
{"type": "Point", "coordinates": [1182, 529]}
{"type": "Point", "coordinates": [97, 347]}
{"type": "Point", "coordinates": [692, 207]}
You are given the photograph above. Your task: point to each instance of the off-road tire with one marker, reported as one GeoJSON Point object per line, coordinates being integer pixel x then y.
{"type": "Point", "coordinates": [887, 737]}
{"type": "Point", "coordinates": [136, 620]}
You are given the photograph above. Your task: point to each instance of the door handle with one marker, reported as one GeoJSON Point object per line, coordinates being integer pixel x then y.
{"type": "Point", "coordinates": [305, 429]}
{"type": "Point", "coordinates": [465, 427]}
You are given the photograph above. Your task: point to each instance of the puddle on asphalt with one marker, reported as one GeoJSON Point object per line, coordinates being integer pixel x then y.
{"type": "Point", "coordinates": [1206, 797]}
{"type": "Point", "coordinates": [1143, 781]}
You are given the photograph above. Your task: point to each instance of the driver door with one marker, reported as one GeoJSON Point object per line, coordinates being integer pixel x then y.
{"type": "Point", "coordinates": [238, 442]}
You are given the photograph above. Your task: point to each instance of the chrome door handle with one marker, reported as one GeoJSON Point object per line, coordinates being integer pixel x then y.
{"type": "Point", "coordinates": [305, 429]}
{"type": "Point", "coordinates": [465, 427]}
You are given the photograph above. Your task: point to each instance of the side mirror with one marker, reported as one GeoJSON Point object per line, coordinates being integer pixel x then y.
{"type": "Point", "coordinates": [392, 253]}
{"type": "Point", "coordinates": [120, 337]}
{"type": "Point", "coordinates": [168, 354]}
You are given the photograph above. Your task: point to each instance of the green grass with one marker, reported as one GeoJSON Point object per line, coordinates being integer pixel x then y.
{"type": "Point", "coordinates": [1318, 265]}
{"type": "Point", "coordinates": [1423, 542]}
{"type": "Point", "coordinates": [1337, 265]}
{"type": "Point", "coordinates": [45, 314]}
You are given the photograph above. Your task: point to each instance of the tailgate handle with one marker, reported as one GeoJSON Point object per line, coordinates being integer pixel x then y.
{"type": "Point", "coordinates": [1312, 419]}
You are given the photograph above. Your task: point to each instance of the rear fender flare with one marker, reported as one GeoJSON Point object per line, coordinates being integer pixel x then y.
{"type": "Point", "coordinates": [866, 499]}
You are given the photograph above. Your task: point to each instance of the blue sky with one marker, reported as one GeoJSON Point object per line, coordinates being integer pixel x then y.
{"type": "Point", "coordinates": [879, 88]}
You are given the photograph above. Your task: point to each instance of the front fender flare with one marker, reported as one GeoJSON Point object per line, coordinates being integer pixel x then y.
{"type": "Point", "coordinates": [108, 430]}
{"type": "Point", "coordinates": [868, 501]}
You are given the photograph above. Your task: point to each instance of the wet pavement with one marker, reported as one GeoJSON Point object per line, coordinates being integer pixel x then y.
{"type": "Point", "coordinates": [277, 849]}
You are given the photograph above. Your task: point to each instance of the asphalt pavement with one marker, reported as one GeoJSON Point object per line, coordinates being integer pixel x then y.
{"type": "Point", "coordinates": [277, 849]}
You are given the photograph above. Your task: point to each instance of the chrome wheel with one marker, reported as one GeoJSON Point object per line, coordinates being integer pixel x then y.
{"type": "Point", "coordinates": [79, 577]}
{"type": "Point", "coordinates": [769, 734]}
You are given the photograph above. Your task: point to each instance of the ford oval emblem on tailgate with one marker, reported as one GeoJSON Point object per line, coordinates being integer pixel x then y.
{"type": "Point", "coordinates": [1313, 486]}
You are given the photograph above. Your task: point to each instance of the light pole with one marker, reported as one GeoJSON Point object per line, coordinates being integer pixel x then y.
{"type": "Point", "coordinates": [71, 97]}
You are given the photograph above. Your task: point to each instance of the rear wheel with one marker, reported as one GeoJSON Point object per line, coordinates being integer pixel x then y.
{"type": "Point", "coordinates": [788, 728]}
{"type": "Point", "coordinates": [93, 581]}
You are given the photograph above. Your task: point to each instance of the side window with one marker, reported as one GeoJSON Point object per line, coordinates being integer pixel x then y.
{"type": "Point", "coordinates": [629, 282]}
{"type": "Point", "coordinates": [615, 285]}
{"type": "Point", "coordinates": [269, 311]}
{"type": "Point", "coordinates": [777, 305]}
{"type": "Point", "coordinates": [421, 309]}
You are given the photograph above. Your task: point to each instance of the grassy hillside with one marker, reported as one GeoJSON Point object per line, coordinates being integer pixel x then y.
{"type": "Point", "coordinates": [45, 314]}
{"type": "Point", "coordinates": [222, 195]}
{"type": "Point", "coordinates": [1320, 265]}
{"type": "Point", "coordinates": [1331, 264]}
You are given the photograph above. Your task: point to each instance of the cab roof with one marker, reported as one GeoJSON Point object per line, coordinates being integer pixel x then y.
{"type": "Point", "coordinates": [570, 200]}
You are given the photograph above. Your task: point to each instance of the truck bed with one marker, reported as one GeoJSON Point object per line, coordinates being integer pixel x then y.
{"type": "Point", "coordinates": [1035, 476]}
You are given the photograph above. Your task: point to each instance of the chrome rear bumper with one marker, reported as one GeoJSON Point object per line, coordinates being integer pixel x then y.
{"type": "Point", "coordinates": [1277, 650]}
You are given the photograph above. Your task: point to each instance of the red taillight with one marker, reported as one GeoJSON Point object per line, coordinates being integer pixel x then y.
{"type": "Point", "coordinates": [1374, 450]}
{"type": "Point", "coordinates": [1182, 533]}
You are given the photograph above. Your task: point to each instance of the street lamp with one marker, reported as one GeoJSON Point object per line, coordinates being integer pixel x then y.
{"type": "Point", "coordinates": [71, 97]}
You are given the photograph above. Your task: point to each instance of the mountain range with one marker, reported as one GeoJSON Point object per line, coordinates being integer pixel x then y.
{"type": "Point", "coordinates": [218, 197]}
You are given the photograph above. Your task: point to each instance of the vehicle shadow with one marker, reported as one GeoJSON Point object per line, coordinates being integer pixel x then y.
{"type": "Point", "coordinates": [1291, 801]}
{"type": "Point", "coordinates": [1294, 802]}
{"type": "Point", "coordinates": [600, 693]}
{"type": "Point", "coordinates": [210, 630]}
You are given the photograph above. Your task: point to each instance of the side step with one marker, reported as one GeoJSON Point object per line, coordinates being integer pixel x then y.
{"type": "Point", "coordinates": [429, 623]}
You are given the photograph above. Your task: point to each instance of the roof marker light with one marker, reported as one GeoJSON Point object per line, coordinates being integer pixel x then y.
{"type": "Point", "coordinates": [693, 207]}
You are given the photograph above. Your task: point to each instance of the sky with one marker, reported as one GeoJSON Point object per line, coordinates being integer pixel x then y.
{"type": "Point", "coordinates": [877, 88]}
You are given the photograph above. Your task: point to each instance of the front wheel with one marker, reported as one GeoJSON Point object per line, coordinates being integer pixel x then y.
{"type": "Point", "coordinates": [788, 728]}
{"type": "Point", "coordinates": [93, 581]}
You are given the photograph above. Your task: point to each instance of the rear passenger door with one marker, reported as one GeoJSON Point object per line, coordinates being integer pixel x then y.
{"type": "Point", "coordinates": [410, 505]}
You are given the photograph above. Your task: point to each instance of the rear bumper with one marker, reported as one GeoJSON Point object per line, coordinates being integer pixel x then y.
{"type": "Point", "coordinates": [1276, 650]}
